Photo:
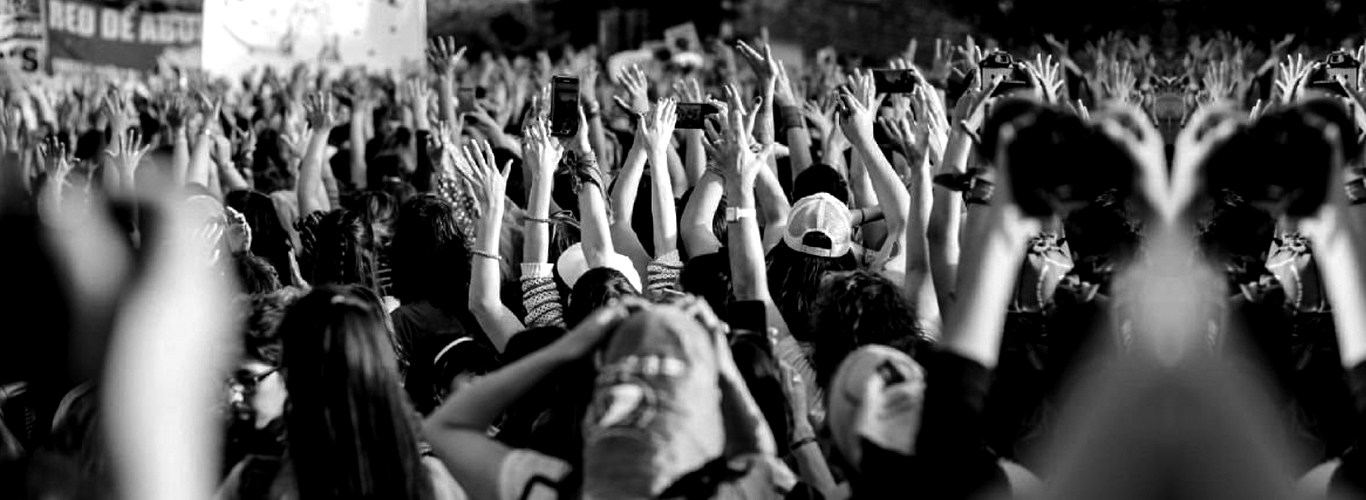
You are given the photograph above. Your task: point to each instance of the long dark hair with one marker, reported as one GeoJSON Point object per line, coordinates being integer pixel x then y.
{"type": "Point", "coordinates": [794, 277]}
{"type": "Point", "coordinates": [269, 240]}
{"type": "Point", "coordinates": [344, 251]}
{"type": "Point", "coordinates": [593, 290]}
{"type": "Point", "coordinates": [350, 431]}
{"type": "Point", "coordinates": [430, 260]}
{"type": "Point", "coordinates": [764, 379]}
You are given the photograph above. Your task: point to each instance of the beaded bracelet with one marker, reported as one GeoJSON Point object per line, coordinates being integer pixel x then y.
{"type": "Point", "coordinates": [486, 255]}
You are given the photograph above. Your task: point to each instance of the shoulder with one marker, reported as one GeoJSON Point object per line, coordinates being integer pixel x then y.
{"type": "Point", "coordinates": [443, 484]}
{"type": "Point", "coordinates": [528, 475]}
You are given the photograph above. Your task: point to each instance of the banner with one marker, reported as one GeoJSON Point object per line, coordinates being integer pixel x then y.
{"type": "Point", "coordinates": [86, 36]}
{"type": "Point", "coordinates": [240, 35]}
{"type": "Point", "coordinates": [21, 35]}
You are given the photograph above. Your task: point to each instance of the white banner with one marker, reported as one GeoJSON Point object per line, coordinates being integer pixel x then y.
{"type": "Point", "coordinates": [378, 34]}
{"type": "Point", "coordinates": [21, 35]}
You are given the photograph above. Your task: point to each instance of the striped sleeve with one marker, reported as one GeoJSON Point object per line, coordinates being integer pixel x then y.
{"type": "Point", "coordinates": [540, 296]}
{"type": "Point", "coordinates": [662, 273]}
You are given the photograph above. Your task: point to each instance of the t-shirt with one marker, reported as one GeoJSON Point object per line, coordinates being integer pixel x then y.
{"type": "Point", "coordinates": [528, 475]}
{"type": "Point", "coordinates": [420, 320]}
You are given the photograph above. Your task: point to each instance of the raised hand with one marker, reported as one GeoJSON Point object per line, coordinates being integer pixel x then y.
{"type": "Point", "coordinates": [637, 91]}
{"type": "Point", "coordinates": [211, 108]}
{"type": "Point", "coordinates": [658, 128]}
{"type": "Point", "coordinates": [127, 151]}
{"type": "Point", "coordinates": [1290, 76]}
{"type": "Point", "coordinates": [539, 148]}
{"type": "Point", "coordinates": [118, 107]}
{"type": "Point", "coordinates": [909, 138]}
{"type": "Point", "coordinates": [763, 64]}
{"type": "Point", "coordinates": [738, 156]}
{"type": "Point", "coordinates": [822, 118]}
{"type": "Point", "coordinates": [688, 90]}
{"type": "Point", "coordinates": [174, 110]}
{"type": "Point", "coordinates": [59, 160]}
{"type": "Point", "coordinates": [860, 106]}
{"type": "Point", "coordinates": [588, 83]}
{"type": "Point", "coordinates": [444, 55]}
{"type": "Point", "coordinates": [1049, 74]}
{"type": "Point", "coordinates": [1208, 128]}
{"type": "Point", "coordinates": [321, 110]}
{"type": "Point", "coordinates": [1128, 126]}
{"type": "Point", "coordinates": [489, 183]}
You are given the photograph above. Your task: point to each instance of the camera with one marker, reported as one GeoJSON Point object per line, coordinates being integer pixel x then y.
{"type": "Point", "coordinates": [894, 81]}
{"type": "Point", "coordinates": [1000, 66]}
{"type": "Point", "coordinates": [1058, 162]}
{"type": "Point", "coordinates": [1336, 73]}
{"type": "Point", "coordinates": [1256, 162]}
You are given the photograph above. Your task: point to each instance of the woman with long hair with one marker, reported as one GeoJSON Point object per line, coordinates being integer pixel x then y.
{"type": "Point", "coordinates": [350, 432]}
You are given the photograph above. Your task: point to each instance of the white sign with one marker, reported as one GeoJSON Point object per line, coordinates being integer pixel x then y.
{"type": "Point", "coordinates": [378, 34]}
{"type": "Point", "coordinates": [21, 35]}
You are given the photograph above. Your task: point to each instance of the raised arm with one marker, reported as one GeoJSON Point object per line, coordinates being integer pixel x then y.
{"type": "Point", "coordinates": [321, 112]}
{"type": "Point", "coordinates": [444, 56]}
{"type": "Point", "coordinates": [204, 142]}
{"type": "Point", "coordinates": [539, 292]}
{"type": "Point", "coordinates": [861, 104]}
{"type": "Point", "coordinates": [458, 430]}
{"type": "Point", "coordinates": [486, 277]}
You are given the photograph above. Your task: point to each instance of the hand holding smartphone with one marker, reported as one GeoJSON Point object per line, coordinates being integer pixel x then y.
{"type": "Point", "coordinates": [564, 106]}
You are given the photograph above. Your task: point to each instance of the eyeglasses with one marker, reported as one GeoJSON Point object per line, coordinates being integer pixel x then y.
{"type": "Point", "coordinates": [249, 380]}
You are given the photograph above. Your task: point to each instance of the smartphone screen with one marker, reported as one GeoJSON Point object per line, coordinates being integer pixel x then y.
{"type": "Point", "coordinates": [466, 98]}
{"type": "Point", "coordinates": [692, 115]}
{"type": "Point", "coordinates": [1345, 74]}
{"type": "Point", "coordinates": [564, 108]}
{"type": "Point", "coordinates": [894, 81]}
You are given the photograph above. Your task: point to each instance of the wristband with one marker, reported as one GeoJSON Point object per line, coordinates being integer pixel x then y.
{"type": "Point", "coordinates": [537, 220]}
{"type": "Point", "coordinates": [798, 444]}
{"type": "Point", "coordinates": [1356, 191]}
{"type": "Point", "coordinates": [592, 110]}
{"type": "Point", "coordinates": [790, 117]}
{"type": "Point", "coordinates": [979, 192]}
{"type": "Point", "coordinates": [734, 214]}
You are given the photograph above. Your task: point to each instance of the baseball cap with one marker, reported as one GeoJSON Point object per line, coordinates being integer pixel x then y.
{"type": "Point", "coordinates": [821, 214]}
{"type": "Point", "coordinates": [846, 394]}
{"type": "Point", "coordinates": [572, 265]}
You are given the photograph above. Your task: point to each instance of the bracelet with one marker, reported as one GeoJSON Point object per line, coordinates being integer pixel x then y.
{"type": "Point", "coordinates": [538, 220]}
{"type": "Point", "coordinates": [790, 117]}
{"type": "Point", "coordinates": [592, 110]}
{"type": "Point", "coordinates": [798, 444]}
{"type": "Point", "coordinates": [486, 255]}
{"type": "Point", "coordinates": [1356, 191]}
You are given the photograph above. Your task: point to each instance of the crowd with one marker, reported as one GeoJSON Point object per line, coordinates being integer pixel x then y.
{"type": "Point", "coordinates": [446, 286]}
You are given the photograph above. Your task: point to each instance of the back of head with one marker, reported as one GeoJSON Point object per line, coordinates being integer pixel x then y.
{"type": "Point", "coordinates": [437, 362]}
{"type": "Point", "coordinates": [343, 251]}
{"type": "Point", "coordinates": [821, 178]}
{"type": "Point", "coordinates": [794, 278]}
{"type": "Point", "coordinates": [256, 274]}
{"type": "Point", "coordinates": [350, 430]}
{"type": "Point", "coordinates": [708, 276]}
{"type": "Point", "coordinates": [430, 261]}
{"type": "Point", "coordinates": [595, 289]}
{"type": "Point", "coordinates": [261, 340]}
{"type": "Point", "coordinates": [856, 309]}
{"type": "Point", "coordinates": [269, 239]}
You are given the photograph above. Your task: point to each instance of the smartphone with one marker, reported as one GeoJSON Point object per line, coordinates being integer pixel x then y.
{"type": "Point", "coordinates": [894, 81]}
{"type": "Point", "coordinates": [751, 315]}
{"type": "Point", "coordinates": [890, 374]}
{"type": "Point", "coordinates": [564, 106]}
{"type": "Point", "coordinates": [1342, 67]}
{"type": "Point", "coordinates": [692, 115]}
{"type": "Point", "coordinates": [467, 97]}
{"type": "Point", "coordinates": [997, 66]}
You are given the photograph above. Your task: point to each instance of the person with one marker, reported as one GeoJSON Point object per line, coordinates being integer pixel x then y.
{"type": "Point", "coordinates": [431, 274]}
{"type": "Point", "coordinates": [351, 435]}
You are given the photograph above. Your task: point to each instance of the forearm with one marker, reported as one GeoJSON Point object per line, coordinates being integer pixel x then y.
{"type": "Point", "coordinates": [597, 242]}
{"type": "Point", "coordinates": [485, 294]}
{"type": "Point", "coordinates": [919, 276]}
{"type": "Point", "coordinates": [815, 471]}
{"type": "Point", "coordinates": [773, 201]}
{"type": "Point", "coordinates": [891, 194]}
{"type": "Point", "coordinates": [799, 150]}
{"type": "Point", "coordinates": [446, 97]}
{"type": "Point", "coordinates": [310, 175]}
{"type": "Point", "coordinates": [180, 156]}
{"type": "Point", "coordinates": [536, 235]}
{"type": "Point", "coordinates": [232, 179]}
{"type": "Point", "coordinates": [199, 161]}
{"type": "Point", "coordinates": [942, 237]}
{"type": "Point", "coordinates": [627, 185]}
{"type": "Point", "coordinates": [695, 158]}
{"type": "Point", "coordinates": [478, 405]}
{"type": "Point", "coordinates": [663, 204]}
{"type": "Point", "coordinates": [358, 166]}
{"type": "Point", "coordinates": [992, 261]}
{"type": "Point", "coordinates": [678, 178]}
{"type": "Point", "coordinates": [763, 124]}
{"type": "Point", "coordinates": [748, 279]}
{"type": "Point", "coordinates": [699, 237]}
{"type": "Point", "coordinates": [1337, 248]}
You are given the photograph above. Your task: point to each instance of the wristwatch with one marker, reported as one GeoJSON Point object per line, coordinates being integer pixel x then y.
{"type": "Point", "coordinates": [735, 214]}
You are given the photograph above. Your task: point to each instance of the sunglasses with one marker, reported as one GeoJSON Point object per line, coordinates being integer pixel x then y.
{"type": "Point", "coordinates": [249, 380]}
